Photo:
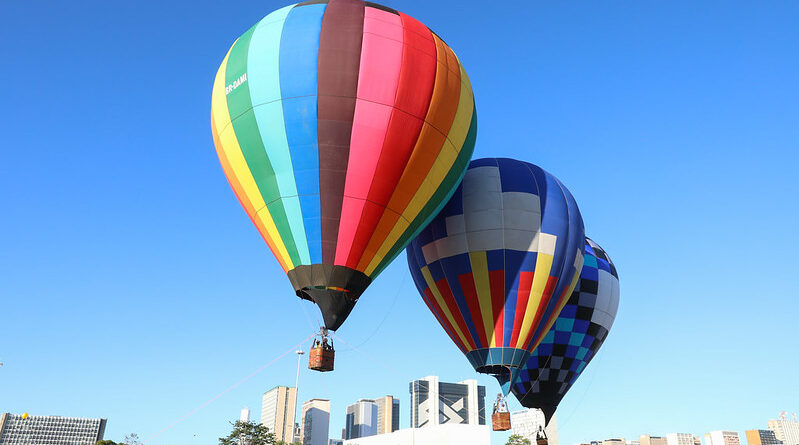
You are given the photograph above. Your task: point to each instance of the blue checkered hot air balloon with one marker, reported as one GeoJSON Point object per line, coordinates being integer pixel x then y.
{"type": "Point", "coordinates": [576, 336]}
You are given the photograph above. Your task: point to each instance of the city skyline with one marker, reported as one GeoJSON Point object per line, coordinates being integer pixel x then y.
{"type": "Point", "coordinates": [673, 124]}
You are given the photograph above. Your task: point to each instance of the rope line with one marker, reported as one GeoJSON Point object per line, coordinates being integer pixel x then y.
{"type": "Point", "coordinates": [230, 388]}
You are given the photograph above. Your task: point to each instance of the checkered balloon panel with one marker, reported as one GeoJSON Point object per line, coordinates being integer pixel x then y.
{"type": "Point", "coordinates": [576, 336]}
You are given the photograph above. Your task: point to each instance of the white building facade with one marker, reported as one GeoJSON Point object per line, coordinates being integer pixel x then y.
{"type": "Point", "coordinates": [361, 419]}
{"type": "Point", "coordinates": [278, 408]}
{"type": "Point", "coordinates": [438, 403]}
{"type": "Point", "coordinates": [722, 438]}
{"type": "Point", "coordinates": [448, 434]}
{"type": "Point", "coordinates": [787, 431]}
{"type": "Point", "coordinates": [680, 439]}
{"type": "Point", "coordinates": [315, 426]}
{"type": "Point", "coordinates": [526, 423]}
{"type": "Point", "coordinates": [49, 430]}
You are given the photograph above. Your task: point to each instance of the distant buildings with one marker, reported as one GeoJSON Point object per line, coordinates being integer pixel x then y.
{"type": "Point", "coordinates": [245, 415]}
{"type": "Point", "coordinates": [722, 438]}
{"type": "Point", "coordinates": [646, 439]}
{"type": "Point", "coordinates": [388, 415]}
{"type": "Point", "coordinates": [315, 422]}
{"type": "Point", "coordinates": [50, 430]}
{"type": "Point", "coordinates": [762, 437]}
{"type": "Point", "coordinates": [449, 434]}
{"type": "Point", "coordinates": [361, 419]}
{"type": "Point", "coordinates": [526, 423]}
{"type": "Point", "coordinates": [335, 442]}
{"type": "Point", "coordinates": [680, 439]}
{"type": "Point", "coordinates": [785, 430]}
{"type": "Point", "coordinates": [436, 403]}
{"type": "Point", "coordinates": [278, 410]}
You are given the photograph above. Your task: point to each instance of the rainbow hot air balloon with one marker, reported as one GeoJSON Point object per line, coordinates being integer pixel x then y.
{"type": "Point", "coordinates": [576, 336]}
{"type": "Point", "coordinates": [343, 127]}
{"type": "Point", "coordinates": [499, 262]}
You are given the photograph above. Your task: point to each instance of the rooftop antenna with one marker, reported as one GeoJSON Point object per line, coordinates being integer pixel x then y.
{"type": "Point", "coordinates": [794, 414]}
{"type": "Point", "coordinates": [784, 416]}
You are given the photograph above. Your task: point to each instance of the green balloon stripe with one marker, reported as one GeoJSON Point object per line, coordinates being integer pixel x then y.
{"type": "Point", "coordinates": [249, 136]}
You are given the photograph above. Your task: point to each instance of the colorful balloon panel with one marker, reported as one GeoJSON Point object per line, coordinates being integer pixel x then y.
{"type": "Point", "coordinates": [499, 262]}
{"type": "Point", "coordinates": [342, 126]}
{"type": "Point", "coordinates": [576, 336]}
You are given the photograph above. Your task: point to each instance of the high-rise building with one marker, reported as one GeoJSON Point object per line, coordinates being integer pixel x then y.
{"type": "Point", "coordinates": [762, 437]}
{"type": "Point", "coordinates": [527, 422]}
{"type": "Point", "coordinates": [787, 431]}
{"type": "Point", "coordinates": [245, 415]}
{"type": "Point", "coordinates": [361, 419]}
{"type": "Point", "coordinates": [646, 439]}
{"type": "Point", "coordinates": [435, 403]}
{"type": "Point", "coordinates": [619, 441]}
{"type": "Point", "coordinates": [277, 412]}
{"type": "Point", "coordinates": [49, 430]}
{"type": "Point", "coordinates": [387, 414]}
{"type": "Point", "coordinates": [315, 422]}
{"type": "Point", "coordinates": [680, 439]}
{"type": "Point", "coordinates": [722, 438]}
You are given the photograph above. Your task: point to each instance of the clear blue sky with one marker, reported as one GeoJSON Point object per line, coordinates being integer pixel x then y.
{"type": "Point", "coordinates": [134, 287]}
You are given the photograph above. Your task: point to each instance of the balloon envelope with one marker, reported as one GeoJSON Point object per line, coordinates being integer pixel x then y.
{"type": "Point", "coordinates": [499, 262]}
{"type": "Point", "coordinates": [576, 336]}
{"type": "Point", "coordinates": [342, 126]}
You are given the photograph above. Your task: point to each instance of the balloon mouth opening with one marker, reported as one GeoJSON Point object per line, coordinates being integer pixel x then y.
{"type": "Point", "coordinates": [335, 289]}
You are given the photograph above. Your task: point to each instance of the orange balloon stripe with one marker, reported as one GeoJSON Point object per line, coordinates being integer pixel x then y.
{"type": "Point", "coordinates": [438, 121]}
{"type": "Point", "coordinates": [241, 196]}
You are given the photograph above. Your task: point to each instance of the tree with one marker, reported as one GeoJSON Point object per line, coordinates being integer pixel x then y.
{"type": "Point", "coordinates": [516, 439]}
{"type": "Point", "coordinates": [106, 442]}
{"type": "Point", "coordinates": [248, 433]}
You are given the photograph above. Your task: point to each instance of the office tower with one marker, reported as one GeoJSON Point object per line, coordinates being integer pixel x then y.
{"type": "Point", "coordinates": [435, 403]}
{"type": "Point", "coordinates": [722, 438]}
{"type": "Point", "coordinates": [277, 412]}
{"type": "Point", "coordinates": [387, 414]}
{"type": "Point", "coordinates": [762, 437]}
{"type": "Point", "coordinates": [361, 419]}
{"type": "Point", "coordinates": [49, 430]}
{"type": "Point", "coordinates": [621, 441]}
{"type": "Point", "coordinates": [526, 423]}
{"type": "Point", "coordinates": [315, 422]}
{"type": "Point", "coordinates": [785, 430]}
{"type": "Point", "coordinates": [245, 415]}
{"type": "Point", "coordinates": [646, 439]}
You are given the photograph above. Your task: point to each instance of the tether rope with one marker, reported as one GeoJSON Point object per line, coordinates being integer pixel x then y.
{"type": "Point", "coordinates": [230, 388]}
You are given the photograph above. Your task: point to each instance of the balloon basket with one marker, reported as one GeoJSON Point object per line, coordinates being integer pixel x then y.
{"type": "Point", "coordinates": [322, 355]}
{"type": "Point", "coordinates": [500, 420]}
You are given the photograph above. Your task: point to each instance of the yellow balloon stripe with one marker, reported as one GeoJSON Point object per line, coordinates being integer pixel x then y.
{"type": "Point", "coordinates": [479, 262]}
{"type": "Point", "coordinates": [543, 267]}
{"type": "Point", "coordinates": [428, 278]}
{"type": "Point", "coordinates": [441, 166]}
{"type": "Point", "coordinates": [578, 262]}
{"type": "Point", "coordinates": [241, 171]}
